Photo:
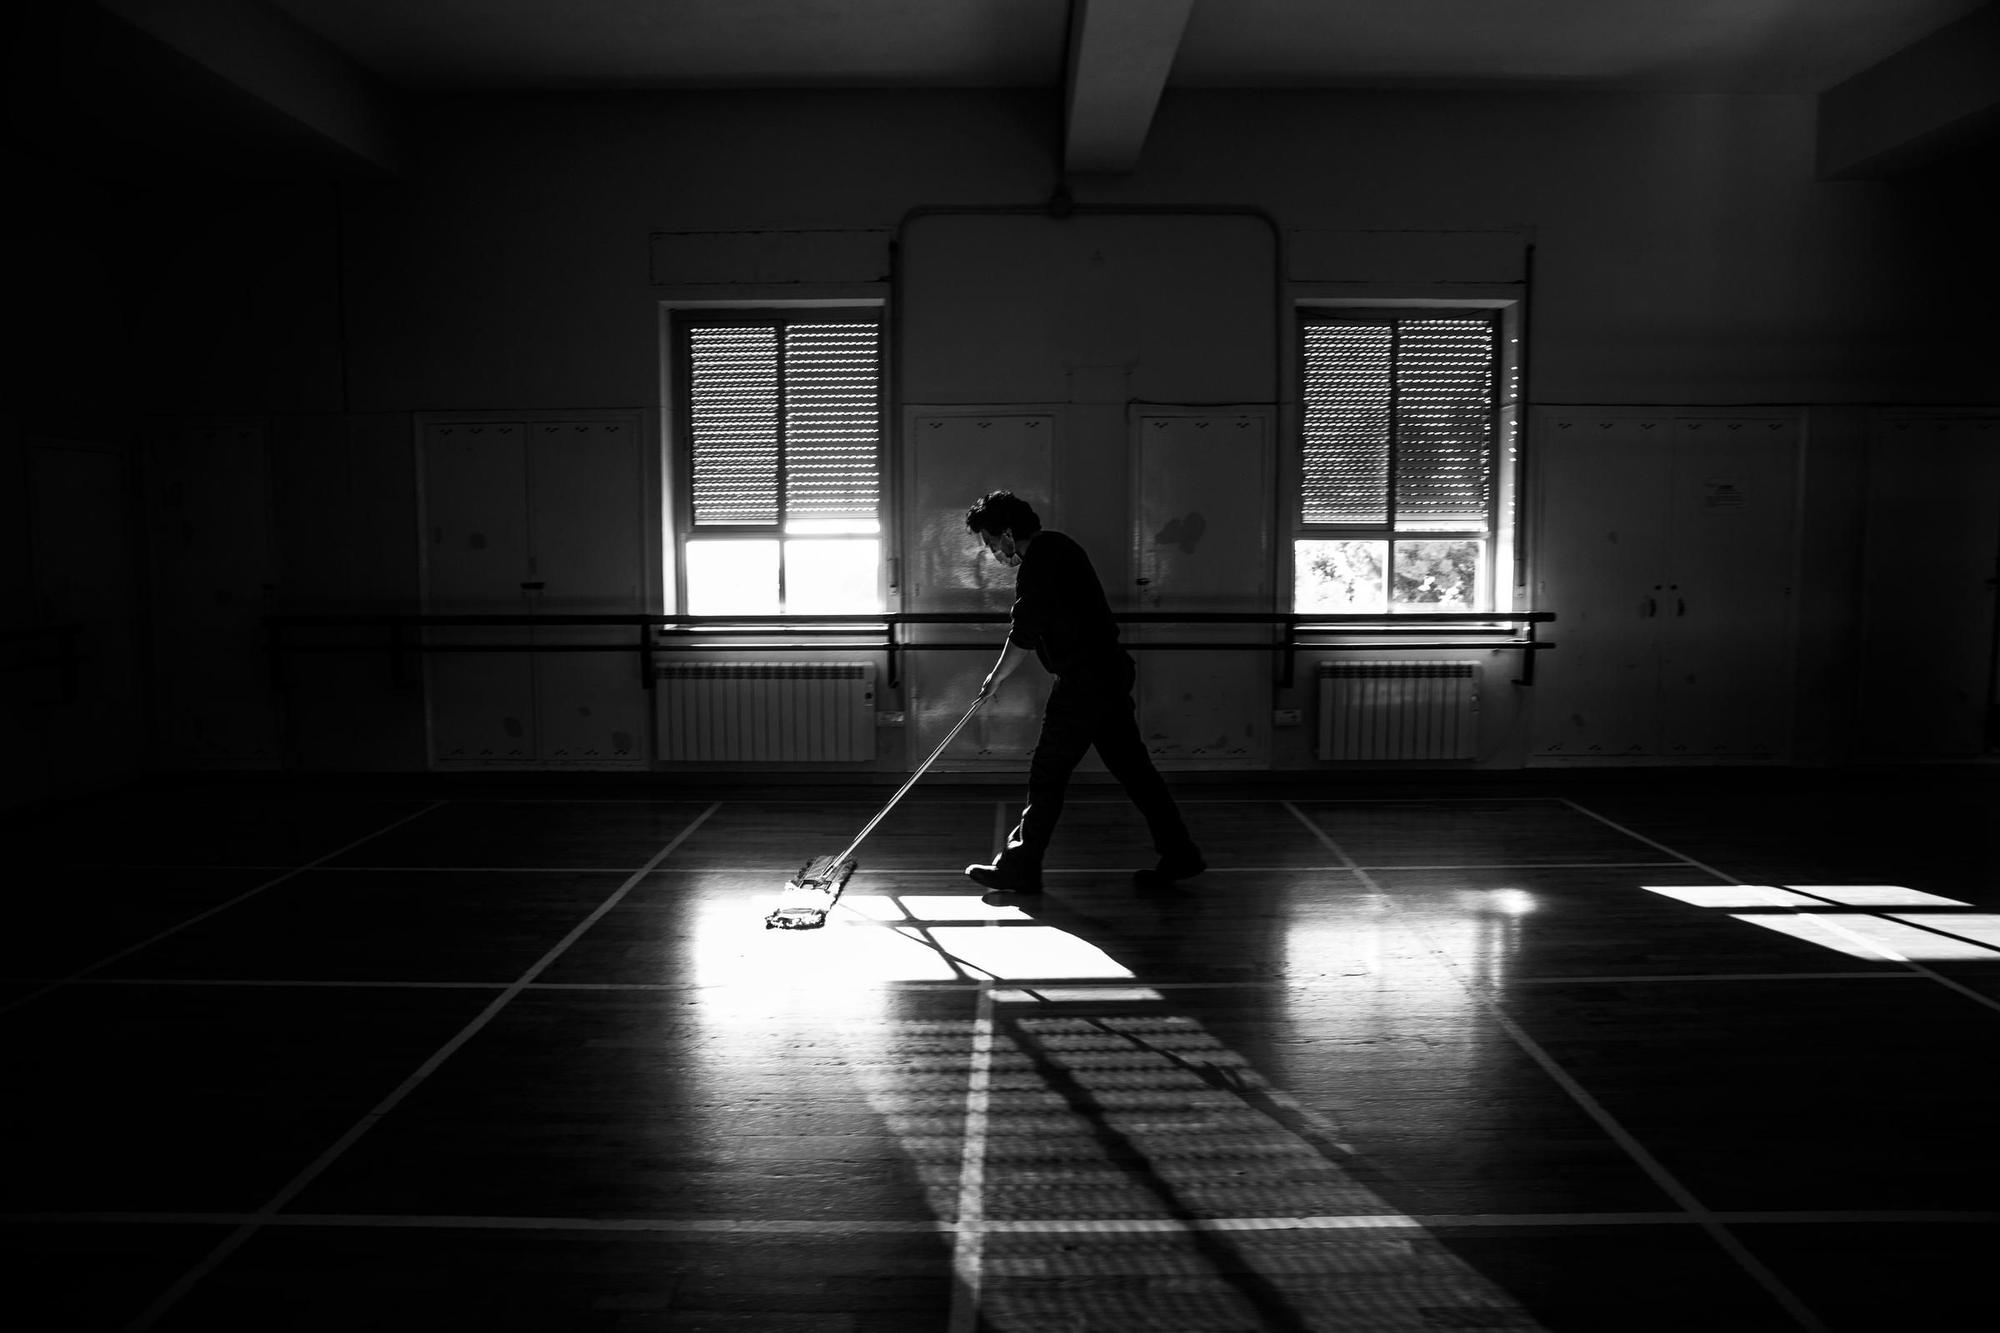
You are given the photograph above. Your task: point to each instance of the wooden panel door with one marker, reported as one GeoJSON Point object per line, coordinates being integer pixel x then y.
{"type": "Point", "coordinates": [1599, 564]}
{"type": "Point", "coordinates": [1725, 612]}
{"type": "Point", "coordinates": [1202, 543]}
{"type": "Point", "coordinates": [953, 458]}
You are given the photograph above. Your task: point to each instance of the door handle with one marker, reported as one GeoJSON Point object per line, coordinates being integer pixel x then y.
{"type": "Point", "coordinates": [1652, 608]}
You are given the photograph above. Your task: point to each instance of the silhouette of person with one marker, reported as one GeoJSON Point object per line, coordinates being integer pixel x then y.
{"type": "Point", "coordinates": [1061, 616]}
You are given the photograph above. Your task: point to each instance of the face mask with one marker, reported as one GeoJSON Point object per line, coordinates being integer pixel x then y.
{"type": "Point", "coordinates": [1001, 547]}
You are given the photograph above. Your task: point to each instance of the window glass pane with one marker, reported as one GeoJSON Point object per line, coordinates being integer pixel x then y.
{"type": "Point", "coordinates": [734, 578]}
{"type": "Point", "coordinates": [733, 423]}
{"type": "Point", "coordinates": [831, 577]}
{"type": "Point", "coordinates": [1438, 576]}
{"type": "Point", "coordinates": [1340, 576]}
{"type": "Point", "coordinates": [1346, 423]}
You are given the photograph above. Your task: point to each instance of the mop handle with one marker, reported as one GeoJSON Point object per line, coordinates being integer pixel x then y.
{"type": "Point", "coordinates": [949, 737]}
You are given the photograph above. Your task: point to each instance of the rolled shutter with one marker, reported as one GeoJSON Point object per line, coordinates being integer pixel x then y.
{"type": "Point", "coordinates": [733, 422]}
{"type": "Point", "coordinates": [1398, 422]}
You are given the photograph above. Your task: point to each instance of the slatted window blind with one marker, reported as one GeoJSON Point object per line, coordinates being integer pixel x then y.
{"type": "Point", "coordinates": [832, 421]}
{"type": "Point", "coordinates": [1399, 421]}
{"type": "Point", "coordinates": [733, 378]}
{"type": "Point", "coordinates": [784, 421]}
{"type": "Point", "coordinates": [1347, 423]}
{"type": "Point", "coordinates": [1444, 423]}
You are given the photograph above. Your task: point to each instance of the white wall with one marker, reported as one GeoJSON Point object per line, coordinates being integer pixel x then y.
{"type": "Point", "coordinates": [1683, 254]}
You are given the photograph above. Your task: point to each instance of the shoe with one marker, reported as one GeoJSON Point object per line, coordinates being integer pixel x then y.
{"type": "Point", "coordinates": [1180, 865]}
{"type": "Point", "coordinates": [1001, 880]}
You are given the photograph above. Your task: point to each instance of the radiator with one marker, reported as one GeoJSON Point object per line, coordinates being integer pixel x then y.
{"type": "Point", "coordinates": [1398, 710]}
{"type": "Point", "coordinates": [753, 711]}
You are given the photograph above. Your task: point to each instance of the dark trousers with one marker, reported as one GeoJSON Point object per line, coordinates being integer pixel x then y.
{"type": "Point", "coordinates": [1085, 710]}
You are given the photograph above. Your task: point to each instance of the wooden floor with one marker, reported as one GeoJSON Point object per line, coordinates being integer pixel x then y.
{"type": "Point", "coordinates": [1608, 1054]}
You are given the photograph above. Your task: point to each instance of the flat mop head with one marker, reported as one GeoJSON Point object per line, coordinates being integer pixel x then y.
{"type": "Point", "coordinates": [810, 895]}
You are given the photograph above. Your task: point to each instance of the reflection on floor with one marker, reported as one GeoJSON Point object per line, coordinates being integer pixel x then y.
{"type": "Point", "coordinates": [1625, 1053]}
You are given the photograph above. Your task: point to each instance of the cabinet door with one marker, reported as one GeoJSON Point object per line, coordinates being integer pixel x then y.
{"type": "Point", "coordinates": [586, 533]}
{"type": "Point", "coordinates": [209, 515]}
{"type": "Point", "coordinates": [1202, 543]}
{"type": "Point", "coordinates": [1929, 596]}
{"type": "Point", "coordinates": [475, 519]}
{"type": "Point", "coordinates": [83, 574]}
{"type": "Point", "coordinates": [953, 459]}
{"type": "Point", "coordinates": [1725, 609]}
{"type": "Point", "coordinates": [1600, 543]}
{"type": "Point", "coordinates": [587, 552]}
{"type": "Point", "coordinates": [590, 707]}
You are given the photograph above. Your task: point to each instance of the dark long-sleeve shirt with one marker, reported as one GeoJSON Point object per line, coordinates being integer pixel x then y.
{"type": "Point", "coordinates": [1060, 612]}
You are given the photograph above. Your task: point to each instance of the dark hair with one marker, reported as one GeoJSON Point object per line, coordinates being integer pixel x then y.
{"type": "Point", "coordinates": [1002, 511]}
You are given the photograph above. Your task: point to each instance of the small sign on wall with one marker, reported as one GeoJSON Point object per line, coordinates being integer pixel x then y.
{"type": "Point", "coordinates": [1722, 495]}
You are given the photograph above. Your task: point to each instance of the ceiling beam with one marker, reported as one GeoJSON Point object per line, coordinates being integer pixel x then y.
{"type": "Point", "coordinates": [303, 86]}
{"type": "Point", "coordinates": [1928, 103]}
{"type": "Point", "coordinates": [1120, 52]}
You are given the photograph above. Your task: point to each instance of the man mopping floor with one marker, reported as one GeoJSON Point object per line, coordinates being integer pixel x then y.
{"type": "Point", "coordinates": [1061, 616]}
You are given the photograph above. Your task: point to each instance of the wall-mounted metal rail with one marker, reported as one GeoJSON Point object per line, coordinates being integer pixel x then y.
{"type": "Point", "coordinates": [402, 635]}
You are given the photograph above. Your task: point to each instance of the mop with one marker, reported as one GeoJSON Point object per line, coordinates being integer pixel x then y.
{"type": "Point", "coordinates": [811, 894]}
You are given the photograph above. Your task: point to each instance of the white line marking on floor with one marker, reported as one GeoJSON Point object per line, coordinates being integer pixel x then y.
{"type": "Point", "coordinates": [1530, 865]}
{"type": "Point", "coordinates": [1636, 836]}
{"type": "Point", "coordinates": [318, 1165]}
{"type": "Point", "coordinates": [641, 987]}
{"type": "Point", "coordinates": [968, 1259]}
{"type": "Point", "coordinates": [1106, 871]}
{"type": "Point", "coordinates": [207, 868]}
{"type": "Point", "coordinates": [324, 983]}
{"type": "Point", "coordinates": [881, 870]}
{"type": "Point", "coordinates": [1888, 955]}
{"type": "Point", "coordinates": [1330, 800]}
{"type": "Point", "coordinates": [1642, 978]}
{"type": "Point", "coordinates": [367, 869]}
{"type": "Point", "coordinates": [823, 1229]}
{"type": "Point", "coordinates": [1605, 1121]}
{"type": "Point", "coordinates": [204, 915]}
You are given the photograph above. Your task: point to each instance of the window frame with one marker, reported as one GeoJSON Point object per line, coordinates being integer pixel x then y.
{"type": "Point", "coordinates": [680, 512]}
{"type": "Point", "coordinates": [1499, 588]}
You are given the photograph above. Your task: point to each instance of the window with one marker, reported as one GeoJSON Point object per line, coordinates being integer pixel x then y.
{"type": "Point", "coordinates": [780, 427]}
{"type": "Point", "coordinates": [1397, 492]}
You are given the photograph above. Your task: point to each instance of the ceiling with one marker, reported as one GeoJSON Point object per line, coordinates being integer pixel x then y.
{"type": "Point", "coordinates": [1691, 46]}
{"type": "Point", "coordinates": [289, 89]}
